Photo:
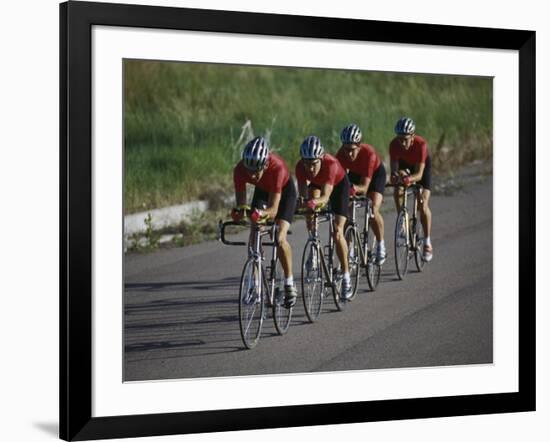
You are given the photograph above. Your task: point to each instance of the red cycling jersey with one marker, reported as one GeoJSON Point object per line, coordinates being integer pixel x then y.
{"type": "Point", "coordinates": [366, 162]}
{"type": "Point", "coordinates": [273, 180]}
{"type": "Point", "coordinates": [416, 154]}
{"type": "Point", "coordinates": [331, 172]}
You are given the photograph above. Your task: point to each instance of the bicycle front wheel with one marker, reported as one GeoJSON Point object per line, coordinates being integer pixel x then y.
{"type": "Point", "coordinates": [418, 243]}
{"type": "Point", "coordinates": [373, 268]}
{"type": "Point", "coordinates": [313, 281]}
{"type": "Point", "coordinates": [281, 314]}
{"type": "Point", "coordinates": [337, 279]}
{"type": "Point", "coordinates": [354, 259]}
{"type": "Point", "coordinates": [401, 245]}
{"type": "Point", "coordinates": [251, 304]}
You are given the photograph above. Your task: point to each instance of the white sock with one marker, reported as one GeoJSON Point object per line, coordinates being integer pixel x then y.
{"type": "Point", "coordinates": [346, 276]}
{"type": "Point", "coordinates": [382, 244]}
{"type": "Point", "coordinates": [290, 280]}
{"type": "Point", "coordinates": [428, 241]}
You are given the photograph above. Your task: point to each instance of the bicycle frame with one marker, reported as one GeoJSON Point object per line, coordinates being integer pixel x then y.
{"type": "Point", "coordinates": [357, 203]}
{"type": "Point", "coordinates": [255, 249]}
{"type": "Point", "coordinates": [416, 191]}
{"type": "Point", "coordinates": [406, 229]}
{"type": "Point", "coordinates": [328, 268]}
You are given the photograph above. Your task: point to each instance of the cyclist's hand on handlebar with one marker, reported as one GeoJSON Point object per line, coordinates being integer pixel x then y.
{"type": "Point", "coordinates": [236, 215]}
{"type": "Point", "coordinates": [302, 203]}
{"type": "Point", "coordinates": [311, 204]}
{"type": "Point", "coordinates": [255, 216]}
{"type": "Point", "coordinates": [406, 180]}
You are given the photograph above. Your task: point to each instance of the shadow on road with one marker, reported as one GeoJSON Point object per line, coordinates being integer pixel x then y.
{"type": "Point", "coordinates": [182, 319]}
{"type": "Point", "coordinates": [192, 285]}
{"type": "Point", "coordinates": [187, 318]}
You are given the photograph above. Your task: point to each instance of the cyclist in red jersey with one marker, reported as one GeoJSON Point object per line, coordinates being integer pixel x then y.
{"type": "Point", "coordinates": [412, 163]}
{"type": "Point", "coordinates": [321, 179]}
{"type": "Point", "coordinates": [367, 174]}
{"type": "Point", "coordinates": [274, 197]}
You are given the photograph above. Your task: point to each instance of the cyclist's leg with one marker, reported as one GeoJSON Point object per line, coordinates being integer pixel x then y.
{"type": "Point", "coordinates": [378, 224]}
{"type": "Point", "coordinates": [398, 198]}
{"type": "Point", "coordinates": [283, 219]}
{"type": "Point", "coordinates": [425, 212]}
{"type": "Point", "coordinates": [339, 200]}
{"type": "Point", "coordinates": [424, 208]}
{"type": "Point", "coordinates": [285, 216]}
{"type": "Point", "coordinates": [378, 227]}
{"type": "Point", "coordinates": [340, 242]}
{"type": "Point", "coordinates": [376, 195]}
{"type": "Point", "coordinates": [284, 251]}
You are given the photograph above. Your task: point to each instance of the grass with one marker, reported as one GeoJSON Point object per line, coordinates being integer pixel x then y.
{"type": "Point", "coordinates": [186, 124]}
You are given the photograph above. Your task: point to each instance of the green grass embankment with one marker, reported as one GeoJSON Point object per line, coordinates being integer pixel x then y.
{"type": "Point", "coordinates": [184, 122]}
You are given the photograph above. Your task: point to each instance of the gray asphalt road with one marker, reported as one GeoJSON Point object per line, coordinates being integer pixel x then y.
{"type": "Point", "coordinates": [181, 307]}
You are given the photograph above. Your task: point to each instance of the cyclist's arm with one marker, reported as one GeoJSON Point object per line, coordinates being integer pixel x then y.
{"type": "Point", "coordinates": [417, 176]}
{"type": "Point", "coordinates": [394, 166]}
{"type": "Point", "coordinates": [240, 198]}
{"type": "Point", "coordinates": [363, 186]}
{"type": "Point", "coordinates": [326, 191]}
{"type": "Point", "coordinates": [302, 189]}
{"type": "Point", "coordinates": [272, 205]}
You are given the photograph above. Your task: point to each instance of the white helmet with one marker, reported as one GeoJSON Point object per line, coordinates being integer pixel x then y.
{"type": "Point", "coordinates": [405, 126]}
{"type": "Point", "coordinates": [311, 148]}
{"type": "Point", "coordinates": [351, 134]}
{"type": "Point", "coordinates": [255, 154]}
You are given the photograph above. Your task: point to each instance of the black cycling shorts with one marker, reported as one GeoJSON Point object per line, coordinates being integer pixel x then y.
{"type": "Point", "coordinates": [339, 198]}
{"type": "Point", "coordinates": [426, 180]}
{"type": "Point", "coordinates": [377, 183]}
{"type": "Point", "coordinates": [287, 204]}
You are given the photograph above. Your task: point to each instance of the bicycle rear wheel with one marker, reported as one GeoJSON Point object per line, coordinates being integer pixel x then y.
{"type": "Point", "coordinates": [251, 304]}
{"type": "Point", "coordinates": [401, 245]}
{"type": "Point", "coordinates": [354, 259]}
{"type": "Point", "coordinates": [313, 280]}
{"type": "Point", "coordinates": [418, 241]}
{"type": "Point", "coordinates": [281, 314]}
{"type": "Point", "coordinates": [337, 279]}
{"type": "Point", "coordinates": [373, 269]}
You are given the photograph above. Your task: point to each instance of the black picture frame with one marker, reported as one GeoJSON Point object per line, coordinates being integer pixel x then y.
{"type": "Point", "coordinates": [76, 21]}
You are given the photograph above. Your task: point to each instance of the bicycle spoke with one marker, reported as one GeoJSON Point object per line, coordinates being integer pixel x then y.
{"type": "Point", "coordinates": [353, 258]}
{"type": "Point", "coordinates": [401, 245]}
{"type": "Point", "coordinates": [250, 305]}
{"type": "Point", "coordinates": [282, 315]}
{"type": "Point", "coordinates": [312, 281]}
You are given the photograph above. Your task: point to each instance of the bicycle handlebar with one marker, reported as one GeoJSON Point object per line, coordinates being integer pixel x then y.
{"type": "Point", "coordinates": [221, 232]}
{"type": "Point", "coordinates": [410, 186]}
{"type": "Point", "coordinates": [307, 211]}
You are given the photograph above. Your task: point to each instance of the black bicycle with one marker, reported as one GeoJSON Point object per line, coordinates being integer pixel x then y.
{"type": "Point", "coordinates": [318, 272]}
{"type": "Point", "coordinates": [361, 245]}
{"type": "Point", "coordinates": [408, 241]}
{"type": "Point", "coordinates": [261, 287]}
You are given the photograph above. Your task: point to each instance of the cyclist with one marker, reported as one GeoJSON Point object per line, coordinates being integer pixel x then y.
{"type": "Point", "coordinates": [327, 182]}
{"type": "Point", "coordinates": [411, 163]}
{"type": "Point", "coordinates": [367, 174]}
{"type": "Point", "coordinates": [274, 197]}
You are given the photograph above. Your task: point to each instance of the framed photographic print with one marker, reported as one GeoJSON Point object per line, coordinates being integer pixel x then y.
{"type": "Point", "coordinates": [330, 299]}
